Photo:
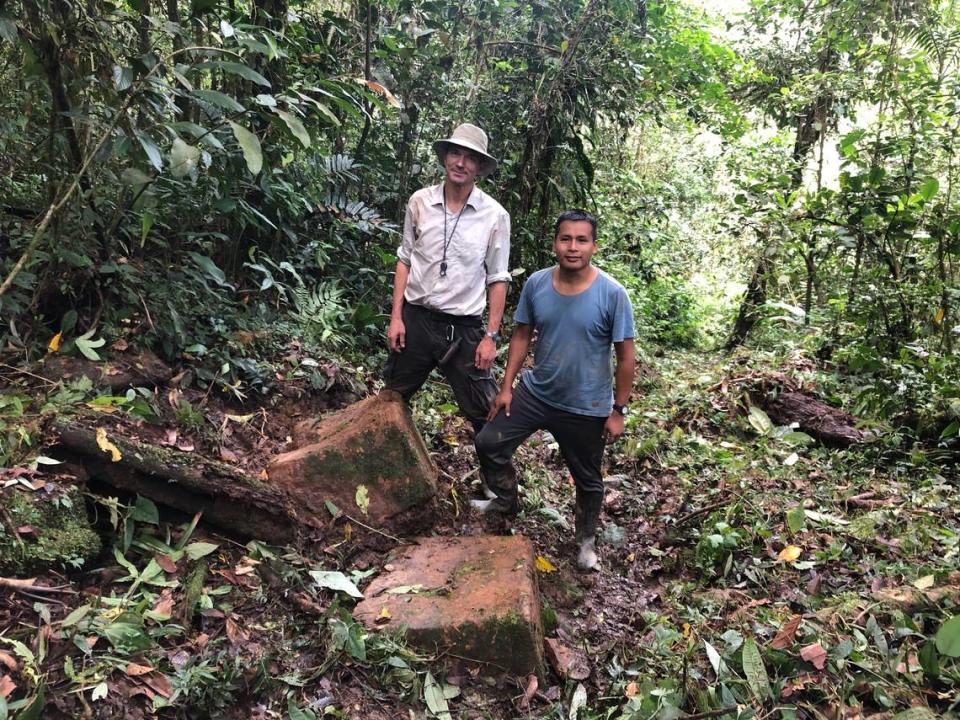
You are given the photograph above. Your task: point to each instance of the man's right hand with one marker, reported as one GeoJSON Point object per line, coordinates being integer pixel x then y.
{"type": "Point", "coordinates": [501, 401]}
{"type": "Point", "coordinates": [397, 335]}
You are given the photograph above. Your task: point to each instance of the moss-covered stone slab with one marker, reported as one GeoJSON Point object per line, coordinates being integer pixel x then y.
{"type": "Point", "coordinates": [45, 529]}
{"type": "Point", "coordinates": [372, 443]}
{"type": "Point", "coordinates": [475, 597]}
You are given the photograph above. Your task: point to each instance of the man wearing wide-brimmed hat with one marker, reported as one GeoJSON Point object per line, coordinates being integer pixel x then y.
{"type": "Point", "coordinates": [452, 263]}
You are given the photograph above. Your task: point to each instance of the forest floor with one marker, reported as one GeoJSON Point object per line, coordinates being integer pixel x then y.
{"type": "Point", "coordinates": [747, 571]}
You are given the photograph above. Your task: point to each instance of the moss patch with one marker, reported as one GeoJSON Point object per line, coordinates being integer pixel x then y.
{"type": "Point", "coordinates": [61, 536]}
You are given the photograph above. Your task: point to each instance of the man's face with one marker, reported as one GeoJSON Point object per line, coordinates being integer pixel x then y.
{"type": "Point", "coordinates": [461, 165]}
{"type": "Point", "coordinates": [574, 244]}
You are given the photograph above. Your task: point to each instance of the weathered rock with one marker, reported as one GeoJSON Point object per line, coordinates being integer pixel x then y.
{"type": "Point", "coordinates": [373, 443]}
{"type": "Point", "coordinates": [45, 529]}
{"type": "Point", "coordinates": [566, 661]}
{"type": "Point", "coordinates": [474, 597]}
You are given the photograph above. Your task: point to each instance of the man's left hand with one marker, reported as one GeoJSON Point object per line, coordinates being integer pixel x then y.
{"type": "Point", "coordinates": [613, 427]}
{"type": "Point", "coordinates": [486, 354]}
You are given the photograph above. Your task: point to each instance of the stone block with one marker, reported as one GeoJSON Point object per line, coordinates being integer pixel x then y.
{"type": "Point", "coordinates": [474, 597]}
{"type": "Point", "coordinates": [373, 443]}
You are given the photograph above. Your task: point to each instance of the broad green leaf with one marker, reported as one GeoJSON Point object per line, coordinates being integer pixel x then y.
{"type": "Point", "coordinates": [100, 691]}
{"type": "Point", "coordinates": [948, 637]}
{"type": "Point", "coordinates": [210, 268]}
{"type": "Point", "coordinates": [122, 78]}
{"type": "Point", "coordinates": [146, 222]}
{"type": "Point", "coordinates": [8, 29]}
{"type": "Point", "coordinates": [183, 158]}
{"type": "Point", "coordinates": [434, 698]}
{"type": "Point", "coordinates": [363, 499]}
{"type": "Point", "coordinates": [335, 580]}
{"type": "Point", "coordinates": [196, 550]}
{"type": "Point", "coordinates": [145, 510]}
{"type": "Point", "coordinates": [76, 616]}
{"type": "Point", "coordinates": [296, 127]}
{"type": "Point", "coordinates": [916, 713]}
{"type": "Point", "coordinates": [328, 113]}
{"type": "Point", "coordinates": [929, 189]}
{"type": "Point", "coordinates": [151, 149]}
{"type": "Point", "coordinates": [796, 519]}
{"type": "Point", "coordinates": [295, 713]}
{"type": "Point", "coordinates": [251, 147]}
{"type": "Point", "coordinates": [33, 710]}
{"type": "Point", "coordinates": [134, 176]}
{"type": "Point", "coordinates": [199, 133]}
{"type": "Point", "coordinates": [759, 420]}
{"type": "Point", "coordinates": [86, 346]}
{"type": "Point", "coordinates": [719, 666]}
{"type": "Point", "coordinates": [215, 97]}
{"type": "Point", "coordinates": [754, 670]}
{"type": "Point", "coordinates": [235, 68]}
{"type": "Point", "coordinates": [4, 711]}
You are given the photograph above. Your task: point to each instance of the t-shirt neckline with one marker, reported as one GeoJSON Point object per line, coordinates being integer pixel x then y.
{"type": "Point", "coordinates": [553, 287]}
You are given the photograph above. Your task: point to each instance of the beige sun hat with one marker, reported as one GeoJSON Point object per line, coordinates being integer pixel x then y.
{"type": "Point", "coordinates": [473, 138]}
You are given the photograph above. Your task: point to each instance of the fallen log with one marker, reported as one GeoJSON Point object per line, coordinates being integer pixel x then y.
{"type": "Point", "coordinates": [831, 426]}
{"type": "Point", "coordinates": [227, 497]}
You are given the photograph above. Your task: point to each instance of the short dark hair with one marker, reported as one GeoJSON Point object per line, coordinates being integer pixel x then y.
{"type": "Point", "coordinates": [576, 215]}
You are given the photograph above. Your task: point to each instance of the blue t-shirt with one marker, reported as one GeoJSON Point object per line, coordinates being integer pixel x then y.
{"type": "Point", "coordinates": [572, 364]}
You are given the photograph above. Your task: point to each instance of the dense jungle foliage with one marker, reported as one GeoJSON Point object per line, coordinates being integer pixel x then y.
{"type": "Point", "coordinates": [223, 181]}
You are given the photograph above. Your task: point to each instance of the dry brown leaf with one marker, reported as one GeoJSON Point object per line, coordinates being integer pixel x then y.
{"type": "Point", "coordinates": [164, 606]}
{"type": "Point", "coordinates": [785, 635]}
{"type": "Point", "coordinates": [120, 345]}
{"type": "Point", "coordinates": [235, 634]}
{"type": "Point", "coordinates": [789, 554]}
{"type": "Point", "coordinates": [134, 670]}
{"type": "Point", "coordinates": [159, 683]}
{"type": "Point", "coordinates": [166, 562]}
{"type": "Point", "coordinates": [17, 582]}
{"type": "Point", "coordinates": [815, 655]}
{"type": "Point", "coordinates": [532, 685]}
{"type": "Point", "coordinates": [632, 689]}
{"type": "Point", "coordinates": [8, 660]}
{"type": "Point", "coordinates": [7, 686]}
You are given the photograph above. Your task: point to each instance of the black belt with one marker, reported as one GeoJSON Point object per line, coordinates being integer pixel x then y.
{"type": "Point", "coordinates": [446, 318]}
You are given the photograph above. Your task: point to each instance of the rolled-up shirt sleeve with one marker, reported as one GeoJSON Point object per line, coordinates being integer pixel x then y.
{"type": "Point", "coordinates": [405, 251]}
{"type": "Point", "coordinates": [497, 260]}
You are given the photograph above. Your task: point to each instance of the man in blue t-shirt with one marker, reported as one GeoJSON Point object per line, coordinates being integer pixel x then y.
{"type": "Point", "coordinates": [578, 312]}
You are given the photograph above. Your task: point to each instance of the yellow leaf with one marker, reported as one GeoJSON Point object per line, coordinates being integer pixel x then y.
{"type": "Point", "coordinates": [347, 531]}
{"type": "Point", "coordinates": [263, 475]}
{"type": "Point", "coordinates": [54, 345]}
{"type": "Point", "coordinates": [104, 444]}
{"type": "Point", "coordinates": [544, 565]}
{"type": "Point", "coordinates": [384, 614]}
{"type": "Point", "coordinates": [938, 318]}
{"type": "Point", "coordinates": [686, 630]}
{"type": "Point", "coordinates": [789, 553]}
{"type": "Point", "coordinates": [924, 583]}
{"type": "Point", "coordinates": [240, 418]}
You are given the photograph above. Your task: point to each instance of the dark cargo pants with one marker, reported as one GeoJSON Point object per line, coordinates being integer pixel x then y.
{"type": "Point", "coordinates": [580, 438]}
{"type": "Point", "coordinates": [429, 337]}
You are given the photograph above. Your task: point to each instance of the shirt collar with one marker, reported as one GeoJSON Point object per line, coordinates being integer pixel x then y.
{"type": "Point", "coordinates": [474, 200]}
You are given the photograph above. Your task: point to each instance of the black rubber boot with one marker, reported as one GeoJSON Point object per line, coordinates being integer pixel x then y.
{"type": "Point", "coordinates": [502, 485]}
{"type": "Point", "coordinates": [587, 512]}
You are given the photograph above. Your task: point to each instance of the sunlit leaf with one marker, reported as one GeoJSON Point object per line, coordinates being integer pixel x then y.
{"type": "Point", "coordinates": [759, 420]}
{"type": "Point", "coordinates": [250, 145]}
{"type": "Point", "coordinates": [362, 498]}
{"type": "Point", "coordinates": [335, 580]}
{"type": "Point", "coordinates": [296, 127]}
{"type": "Point", "coordinates": [789, 554]}
{"type": "Point", "coordinates": [948, 637]}
{"type": "Point", "coordinates": [104, 444]}
{"type": "Point", "coordinates": [54, 344]}
{"type": "Point", "coordinates": [544, 565]}
{"type": "Point", "coordinates": [434, 698]}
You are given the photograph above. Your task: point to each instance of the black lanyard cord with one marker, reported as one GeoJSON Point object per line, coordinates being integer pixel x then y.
{"type": "Point", "coordinates": [448, 240]}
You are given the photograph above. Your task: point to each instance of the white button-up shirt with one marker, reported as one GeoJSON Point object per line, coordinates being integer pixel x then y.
{"type": "Point", "coordinates": [477, 253]}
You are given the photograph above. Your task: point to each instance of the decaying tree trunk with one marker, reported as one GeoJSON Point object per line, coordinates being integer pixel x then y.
{"type": "Point", "coordinates": [227, 497]}
{"type": "Point", "coordinates": [831, 426]}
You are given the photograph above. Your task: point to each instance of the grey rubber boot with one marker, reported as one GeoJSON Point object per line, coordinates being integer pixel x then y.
{"type": "Point", "coordinates": [587, 513]}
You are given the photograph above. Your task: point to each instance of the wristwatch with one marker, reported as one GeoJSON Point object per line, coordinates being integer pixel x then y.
{"type": "Point", "coordinates": [495, 336]}
{"type": "Point", "coordinates": [622, 409]}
